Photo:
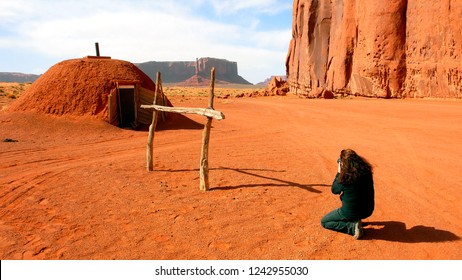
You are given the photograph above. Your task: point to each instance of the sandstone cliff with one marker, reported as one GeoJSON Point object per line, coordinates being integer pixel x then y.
{"type": "Point", "coordinates": [394, 48]}
{"type": "Point", "coordinates": [181, 71]}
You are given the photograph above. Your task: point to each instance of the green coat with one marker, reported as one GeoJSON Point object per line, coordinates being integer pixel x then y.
{"type": "Point", "coordinates": [357, 199]}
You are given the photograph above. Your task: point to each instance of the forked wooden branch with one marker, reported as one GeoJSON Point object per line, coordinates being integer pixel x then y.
{"type": "Point", "coordinates": [152, 127]}
{"type": "Point", "coordinates": [204, 163]}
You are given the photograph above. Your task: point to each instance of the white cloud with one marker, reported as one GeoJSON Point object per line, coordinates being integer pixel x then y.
{"type": "Point", "coordinates": [145, 30]}
{"type": "Point", "coordinates": [10, 11]}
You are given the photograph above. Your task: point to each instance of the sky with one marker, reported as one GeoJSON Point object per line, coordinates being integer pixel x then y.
{"type": "Point", "coordinates": [36, 34]}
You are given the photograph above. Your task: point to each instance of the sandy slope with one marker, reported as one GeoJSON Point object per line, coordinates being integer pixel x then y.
{"type": "Point", "coordinates": [76, 188]}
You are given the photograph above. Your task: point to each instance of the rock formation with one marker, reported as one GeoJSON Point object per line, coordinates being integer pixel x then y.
{"type": "Point", "coordinates": [267, 81]}
{"type": "Point", "coordinates": [17, 77]}
{"type": "Point", "coordinates": [277, 86]}
{"type": "Point", "coordinates": [181, 71]}
{"type": "Point", "coordinates": [388, 49]}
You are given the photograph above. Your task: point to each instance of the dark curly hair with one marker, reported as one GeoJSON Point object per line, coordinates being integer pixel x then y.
{"type": "Point", "coordinates": [353, 167]}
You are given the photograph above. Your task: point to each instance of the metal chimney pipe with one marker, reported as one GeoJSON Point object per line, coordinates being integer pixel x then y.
{"type": "Point", "coordinates": [97, 48]}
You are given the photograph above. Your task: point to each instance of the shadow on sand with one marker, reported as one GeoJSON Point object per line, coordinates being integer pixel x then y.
{"type": "Point", "coordinates": [397, 232]}
{"type": "Point", "coordinates": [273, 181]}
{"type": "Point", "coordinates": [174, 122]}
{"type": "Point", "coordinates": [276, 182]}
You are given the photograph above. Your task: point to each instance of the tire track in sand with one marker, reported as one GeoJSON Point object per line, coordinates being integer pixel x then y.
{"type": "Point", "coordinates": [25, 185]}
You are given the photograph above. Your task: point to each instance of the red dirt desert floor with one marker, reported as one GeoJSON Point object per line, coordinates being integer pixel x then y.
{"type": "Point", "coordinates": [77, 187]}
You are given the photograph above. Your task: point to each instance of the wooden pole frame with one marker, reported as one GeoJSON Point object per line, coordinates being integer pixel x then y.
{"type": "Point", "coordinates": [209, 112]}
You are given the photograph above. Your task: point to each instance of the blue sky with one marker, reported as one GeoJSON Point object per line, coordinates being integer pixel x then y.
{"type": "Point", "coordinates": [36, 34]}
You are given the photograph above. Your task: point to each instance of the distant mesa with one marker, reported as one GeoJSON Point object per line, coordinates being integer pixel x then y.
{"type": "Point", "coordinates": [194, 73]}
{"type": "Point", "coordinates": [13, 77]}
{"type": "Point", "coordinates": [181, 73]}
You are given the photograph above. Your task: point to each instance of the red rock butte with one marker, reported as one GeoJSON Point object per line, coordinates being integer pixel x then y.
{"type": "Point", "coordinates": [388, 49]}
{"type": "Point", "coordinates": [83, 86]}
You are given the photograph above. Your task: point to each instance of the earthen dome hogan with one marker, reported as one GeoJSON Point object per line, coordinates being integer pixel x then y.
{"type": "Point", "coordinates": [81, 86]}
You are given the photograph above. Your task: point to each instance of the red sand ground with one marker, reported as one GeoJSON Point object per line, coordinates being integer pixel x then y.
{"type": "Point", "coordinates": [77, 188]}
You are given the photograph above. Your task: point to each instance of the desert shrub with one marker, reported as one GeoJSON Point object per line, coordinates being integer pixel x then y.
{"type": "Point", "coordinates": [11, 95]}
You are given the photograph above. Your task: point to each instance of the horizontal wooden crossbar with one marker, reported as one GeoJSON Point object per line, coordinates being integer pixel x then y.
{"type": "Point", "coordinates": [181, 110]}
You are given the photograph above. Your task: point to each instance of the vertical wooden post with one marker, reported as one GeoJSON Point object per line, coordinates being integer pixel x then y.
{"type": "Point", "coordinates": [152, 128]}
{"type": "Point", "coordinates": [204, 165]}
{"type": "Point", "coordinates": [119, 106]}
